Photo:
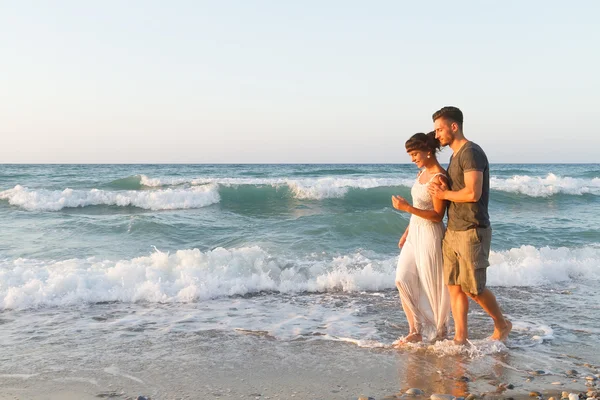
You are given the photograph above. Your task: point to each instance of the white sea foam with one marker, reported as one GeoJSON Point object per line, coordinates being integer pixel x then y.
{"type": "Point", "coordinates": [185, 276]}
{"type": "Point", "coordinates": [530, 266]}
{"type": "Point", "coordinates": [167, 199]}
{"type": "Point", "coordinates": [536, 331]}
{"type": "Point", "coordinates": [474, 349]}
{"type": "Point", "coordinates": [548, 186]}
{"type": "Point", "coordinates": [305, 188]}
{"type": "Point", "coordinates": [336, 187]}
{"type": "Point", "coordinates": [157, 182]}
{"type": "Point", "coordinates": [324, 188]}
{"type": "Point", "coordinates": [192, 275]}
{"type": "Point", "coordinates": [367, 343]}
{"type": "Point", "coordinates": [201, 192]}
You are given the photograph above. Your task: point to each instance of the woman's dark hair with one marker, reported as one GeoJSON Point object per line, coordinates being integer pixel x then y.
{"type": "Point", "coordinates": [423, 142]}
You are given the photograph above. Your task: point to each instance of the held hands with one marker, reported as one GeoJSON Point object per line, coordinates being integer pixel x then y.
{"type": "Point", "coordinates": [438, 191]}
{"type": "Point", "coordinates": [400, 203]}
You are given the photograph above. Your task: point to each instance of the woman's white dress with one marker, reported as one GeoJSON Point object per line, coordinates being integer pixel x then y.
{"type": "Point", "coordinates": [420, 275]}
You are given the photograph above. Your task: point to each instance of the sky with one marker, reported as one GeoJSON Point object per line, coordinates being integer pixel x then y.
{"type": "Point", "coordinates": [259, 81]}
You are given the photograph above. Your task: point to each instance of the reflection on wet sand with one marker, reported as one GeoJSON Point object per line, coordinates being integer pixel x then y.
{"type": "Point", "coordinates": [457, 375]}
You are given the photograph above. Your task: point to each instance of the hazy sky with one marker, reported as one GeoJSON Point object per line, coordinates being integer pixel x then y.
{"type": "Point", "coordinates": [295, 81]}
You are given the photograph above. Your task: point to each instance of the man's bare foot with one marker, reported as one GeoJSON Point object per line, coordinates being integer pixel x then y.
{"type": "Point", "coordinates": [502, 334]}
{"type": "Point", "coordinates": [459, 342]}
{"type": "Point", "coordinates": [413, 337]}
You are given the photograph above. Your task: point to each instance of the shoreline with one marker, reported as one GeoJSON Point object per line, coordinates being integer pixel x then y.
{"type": "Point", "coordinates": [248, 366]}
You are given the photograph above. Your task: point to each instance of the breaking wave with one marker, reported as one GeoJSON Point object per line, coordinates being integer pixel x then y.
{"type": "Point", "coordinates": [192, 275]}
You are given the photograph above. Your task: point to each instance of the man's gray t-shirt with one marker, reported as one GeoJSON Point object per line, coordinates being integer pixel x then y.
{"type": "Point", "coordinates": [463, 216]}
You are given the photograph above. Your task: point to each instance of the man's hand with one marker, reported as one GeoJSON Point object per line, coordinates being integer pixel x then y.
{"type": "Point", "coordinates": [400, 203]}
{"type": "Point", "coordinates": [438, 191]}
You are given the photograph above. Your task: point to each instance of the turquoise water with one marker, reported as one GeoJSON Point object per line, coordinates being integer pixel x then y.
{"type": "Point", "coordinates": [285, 209]}
{"type": "Point", "coordinates": [199, 248]}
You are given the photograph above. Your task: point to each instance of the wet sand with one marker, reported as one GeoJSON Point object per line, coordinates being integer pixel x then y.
{"type": "Point", "coordinates": [244, 365]}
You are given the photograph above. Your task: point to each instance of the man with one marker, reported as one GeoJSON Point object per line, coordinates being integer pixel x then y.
{"type": "Point", "coordinates": [467, 241]}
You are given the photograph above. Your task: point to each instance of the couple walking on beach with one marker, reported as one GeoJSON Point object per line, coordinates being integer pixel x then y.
{"type": "Point", "coordinates": [439, 269]}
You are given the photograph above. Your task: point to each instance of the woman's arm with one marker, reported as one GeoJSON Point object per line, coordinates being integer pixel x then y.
{"type": "Point", "coordinates": [403, 238]}
{"type": "Point", "coordinates": [435, 215]}
{"type": "Point", "coordinates": [439, 205]}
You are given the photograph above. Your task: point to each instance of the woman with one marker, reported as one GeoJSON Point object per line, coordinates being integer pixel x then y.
{"type": "Point", "coordinates": [419, 275]}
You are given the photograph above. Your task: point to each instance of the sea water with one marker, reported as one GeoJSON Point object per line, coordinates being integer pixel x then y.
{"type": "Point", "coordinates": [97, 254]}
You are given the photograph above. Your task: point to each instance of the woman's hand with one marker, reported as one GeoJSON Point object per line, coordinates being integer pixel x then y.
{"type": "Point", "coordinates": [400, 203]}
{"type": "Point", "coordinates": [402, 240]}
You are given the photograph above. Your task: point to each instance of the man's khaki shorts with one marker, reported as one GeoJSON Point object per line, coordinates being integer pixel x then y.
{"type": "Point", "coordinates": [466, 256]}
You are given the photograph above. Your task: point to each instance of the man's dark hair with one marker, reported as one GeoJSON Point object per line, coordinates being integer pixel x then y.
{"type": "Point", "coordinates": [450, 113]}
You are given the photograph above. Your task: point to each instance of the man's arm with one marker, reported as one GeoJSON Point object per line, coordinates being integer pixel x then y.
{"type": "Point", "coordinates": [469, 194]}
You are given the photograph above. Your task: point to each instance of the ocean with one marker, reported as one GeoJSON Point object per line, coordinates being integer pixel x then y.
{"type": "Point", "coordinates": [115, 270]}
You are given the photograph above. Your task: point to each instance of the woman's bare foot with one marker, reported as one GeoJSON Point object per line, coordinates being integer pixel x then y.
{"type": "Point", "coordinates": [442, 334]}
{"type": "Point", "coordinates": [413, 337]}
{"type": "Point", "coordinates": [502, 334]}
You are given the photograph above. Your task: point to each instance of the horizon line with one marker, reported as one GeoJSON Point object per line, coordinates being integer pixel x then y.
{"type": "Point", "coordinates": [274, 163]}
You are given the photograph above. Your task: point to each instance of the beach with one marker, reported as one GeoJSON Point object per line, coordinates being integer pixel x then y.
{"type": "Point", "coordinates": [213, 365]}
{"type": "Point", "coordinates": [277, 281]}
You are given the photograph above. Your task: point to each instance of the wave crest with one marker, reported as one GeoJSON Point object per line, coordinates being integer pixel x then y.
{"type": "Point", "coordinates": [193, 275]}
{"type": "Point", "coordinates": [531, 266]}
{"type": "Point", "coordinates": [185, 276]}
{"type": "Point", "coordinates": [337, 187]}
{"type": "Point", "coordinates": [305, 189]}
{"type": "Point", "coordinates": [54, 200]}
{"type": "Point", "coordinates": [548, 186]}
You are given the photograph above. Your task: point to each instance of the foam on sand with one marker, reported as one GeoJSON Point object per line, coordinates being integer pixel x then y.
{"type": "Point", "coordinates": [473, 349]}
